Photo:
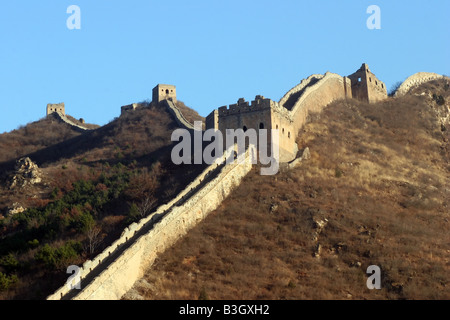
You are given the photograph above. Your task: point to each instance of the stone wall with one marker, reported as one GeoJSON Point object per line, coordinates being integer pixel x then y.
{"type": "Point", "coordinates": [415, 80]}
{"type": "Point", "coordinates": [179, 118]}
{"type": "Point", "coordinates": [315, 97]}
{"type": "Point", "coordinates": [212, 120]}
{"type": "Point", "coordinates": [261, 113]}
{"type": "Point", "coordinates": [245, 116]}
{"type": "Point", "coordinates": [288, 115]}
{"type": "Point", "coordinates": [69, 122]}
{"type": "Point", "coordinates": [140, 243]}
{"type": "Point", "coordinates": [128, 108]}
{"type": "Point", "coordinates": [291, 97]}
{"type": "Point", "coordinates": [282, 121]}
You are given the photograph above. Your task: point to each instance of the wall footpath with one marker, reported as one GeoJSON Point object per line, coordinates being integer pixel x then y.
{"type": "Point", "coordinates": [66, 120]}
{"type": "Point", "coordinates": [314, 98]}
{"type": "Point", "coordinates": [141, 242]}
{"type": "Point", "coordinates": [296, 91]}
{"type": "Point", "coordinates": [179, 118]}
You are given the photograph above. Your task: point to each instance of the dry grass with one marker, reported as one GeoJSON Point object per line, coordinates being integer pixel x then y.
{"type": "Point", "coordinates": [379, 173]}
{"type": "Point", "coordinates": [32, 137]}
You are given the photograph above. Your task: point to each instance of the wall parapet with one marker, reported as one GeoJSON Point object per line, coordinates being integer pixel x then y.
{"type": "Point", "coordinates": [260, 103]}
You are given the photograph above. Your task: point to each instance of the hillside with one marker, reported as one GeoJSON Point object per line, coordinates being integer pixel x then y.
{"type": "Point", "coordinates": [92, 185]}
{"type": "Point", "coordinates": [374, 192]}
{"type": "Point", "coordinates": [34, 136]}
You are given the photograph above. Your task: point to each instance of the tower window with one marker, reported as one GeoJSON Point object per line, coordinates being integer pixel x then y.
{"type": "Point", "coordinates": [167, 91]}
{"type": "Point", "coordinates": [289, 135]}
{"type": "Point", "coordinates": [261, 125]}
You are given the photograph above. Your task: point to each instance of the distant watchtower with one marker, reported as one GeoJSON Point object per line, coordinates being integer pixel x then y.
{"type": "Point", "coordinates": [366, 86]}
{"type": "Point", "coordinates": [164, 92]}
{"type": "Point", "coordinates": [59, 107]}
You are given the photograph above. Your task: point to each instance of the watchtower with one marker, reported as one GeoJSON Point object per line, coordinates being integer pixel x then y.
{"type": "Point", "coordinates": [164, 92]}
{"type": "Point", "coordinates": [59, 107]}
{"type": "Point", "coordinates": [366, 86]}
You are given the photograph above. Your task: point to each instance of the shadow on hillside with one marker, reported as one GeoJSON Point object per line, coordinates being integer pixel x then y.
{"type": "Point", "coordinates": [79, 145]}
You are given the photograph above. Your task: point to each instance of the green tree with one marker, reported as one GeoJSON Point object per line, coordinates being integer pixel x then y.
{"type": "Point", "coordinates": [84, 222]}
{"type": "Point", "coordinates": [134, 213]}
{"type": "Point", "coordinates": [56, 258]}
{"type": "Point", "coordinates": [9, 263]}
{"type": "Point", "coordinates": [7, 281]}
{"type": "Point", "coordinates": [48, 256]}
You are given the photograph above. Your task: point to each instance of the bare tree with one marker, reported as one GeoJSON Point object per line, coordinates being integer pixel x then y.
{"type": "Point", "coordinates": [146, 205]}
{"type": "Point", "coordinates": [94, 238]}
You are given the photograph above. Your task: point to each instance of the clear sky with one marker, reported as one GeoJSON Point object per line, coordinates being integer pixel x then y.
{"type": "Point", "coordinates": [213, 51]}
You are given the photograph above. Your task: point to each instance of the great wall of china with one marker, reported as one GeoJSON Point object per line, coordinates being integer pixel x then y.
{"type": "Point", "coordinates": [114, 271]}
{"type": "Point", "coordinates": [64, 118]}
{"type": "Point", "coordinates": [179, 118]}
{"type": "Point", "coordinates": [415, 80]}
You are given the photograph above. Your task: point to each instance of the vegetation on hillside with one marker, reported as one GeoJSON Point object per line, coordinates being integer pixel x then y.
{"type": "Point", "coordinates": [94, 185]}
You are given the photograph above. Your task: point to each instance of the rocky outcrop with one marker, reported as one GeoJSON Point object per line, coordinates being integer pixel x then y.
{"type": "Point", "coordinates": [15, 209]}
{"type": "Point", "coordinates": [26, 173]}
{"type": "Point", "coordinates": [319, 221]}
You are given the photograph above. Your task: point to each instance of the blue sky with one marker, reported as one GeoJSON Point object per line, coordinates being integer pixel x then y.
{"type": "Point", "coordinates": [213, 51]}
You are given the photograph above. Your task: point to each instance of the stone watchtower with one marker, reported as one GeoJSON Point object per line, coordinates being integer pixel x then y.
{"type": "Point", "coordinates": [164, 92]}
{"type": "Point", "coordinates": [366, 86]}
{"type": "Point", "coordinates": [59, 107]}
